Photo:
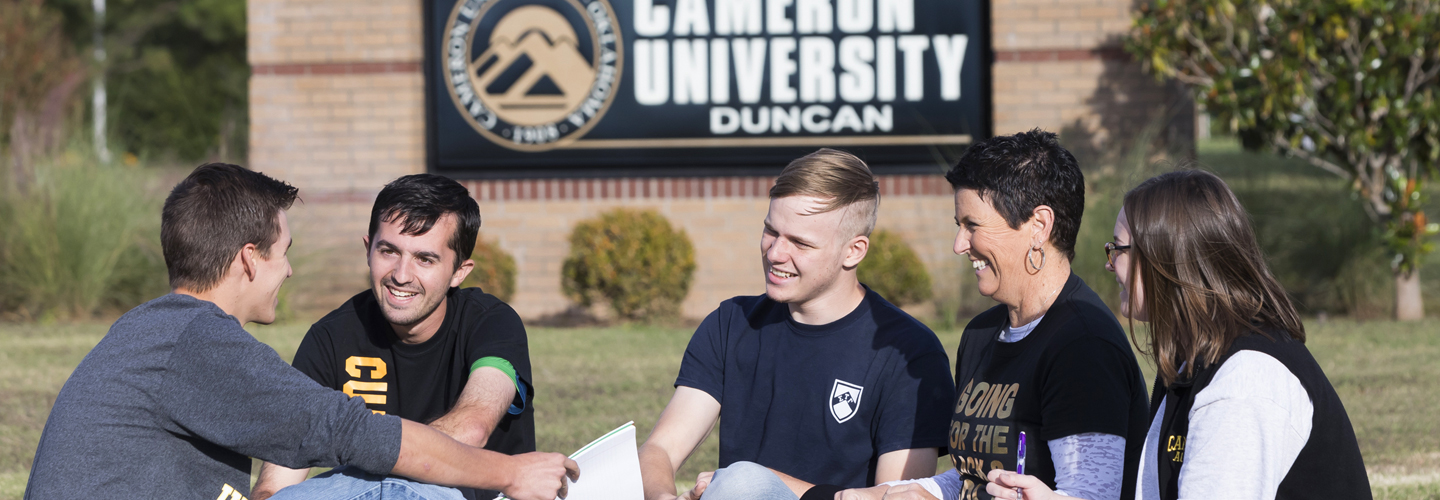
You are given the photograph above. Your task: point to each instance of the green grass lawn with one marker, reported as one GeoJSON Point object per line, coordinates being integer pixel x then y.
{"type": "Point", "coordinates": [591, 380]}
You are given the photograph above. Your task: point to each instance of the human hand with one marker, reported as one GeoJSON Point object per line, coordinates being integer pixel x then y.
{"type": "Point", "coordinates": [541, 476]}
{"type": "Point", "coordinates": [909, 491]}
{"type": "Point", "coordinates": [702, 481]}
{"type": "Point", "coordinates": [876, 492]}
{"type": "Point", "coordinates": [1008, 485]}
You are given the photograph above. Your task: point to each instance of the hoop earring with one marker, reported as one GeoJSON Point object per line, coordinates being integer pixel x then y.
{"type": "Point", "coordinates": [1030, 259]}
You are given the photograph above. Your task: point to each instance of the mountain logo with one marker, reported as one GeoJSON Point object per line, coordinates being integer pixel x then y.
{"type": "Point", "coordinates": [532, 75]}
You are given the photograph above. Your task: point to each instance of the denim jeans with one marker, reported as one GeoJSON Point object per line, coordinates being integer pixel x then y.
{"type": "Point", "coordinates": [349, 483]}
{"type": "Point", "coordinates": [747, 481]}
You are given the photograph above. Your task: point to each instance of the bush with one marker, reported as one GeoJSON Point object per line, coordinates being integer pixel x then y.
{"type": "Point", "coordinates": [631, 259]}
{"type": "Point", "coordinates": [494, 270]}
{"type": "Point", "coordinates": [80, 239]}
{"type": "Point", "coordinates": [892, 270]}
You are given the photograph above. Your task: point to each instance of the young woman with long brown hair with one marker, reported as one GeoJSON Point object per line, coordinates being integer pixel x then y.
{"type": "Point", "coordinates": [1240, 408]}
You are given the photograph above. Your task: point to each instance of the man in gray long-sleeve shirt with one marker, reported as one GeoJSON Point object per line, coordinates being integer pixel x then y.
{"type": "Point", "coordinates": [177, 396]}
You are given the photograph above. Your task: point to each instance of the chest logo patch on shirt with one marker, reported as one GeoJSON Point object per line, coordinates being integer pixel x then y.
{"type": "Point", "coordinates": [844, 400]}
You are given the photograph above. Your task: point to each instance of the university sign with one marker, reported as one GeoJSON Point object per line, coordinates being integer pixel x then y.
{"type": "Point", "coordinates": [703, 87]}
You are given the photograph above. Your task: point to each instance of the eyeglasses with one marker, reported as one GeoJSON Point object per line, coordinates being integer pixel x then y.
{"type": "Point", "coordinates": [1111, 249]}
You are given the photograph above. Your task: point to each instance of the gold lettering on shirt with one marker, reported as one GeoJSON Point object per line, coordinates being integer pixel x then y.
{"type": "Point", "coordinates": [1175, 446]}
{"type": "Point", "coordinates": [1002, 433]}
{"type": "Point", "coordinates": [377, 365]}
{"type": "Point", "coordinates": [1009, 404]}
{"type": "Point", "coordinates": [367, 387]}
{"type": "Point", "coordinates": [964, 397]}
{"type": "Point", "coordinates": [971, 490]}
{"type": "Point", "coordinates": [228, 492]}
{"type": "Point", "coordinates": [975, 398]}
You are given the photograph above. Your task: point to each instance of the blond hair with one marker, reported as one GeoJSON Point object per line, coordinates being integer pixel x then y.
{"type": "Point", "coordinates": [843, 180]}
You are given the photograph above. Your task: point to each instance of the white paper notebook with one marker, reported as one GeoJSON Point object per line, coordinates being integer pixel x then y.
{"type": "Point", "coordinates": [609, 468]}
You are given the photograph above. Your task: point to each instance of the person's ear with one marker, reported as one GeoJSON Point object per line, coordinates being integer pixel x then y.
{"type": "Point", "coordinates": [248, 257]}
{"type": "Point", "coordinates": [461, 273]}
{"type": "Point", "coordinates": [1043, 222]}
{"type": "Point", "coordinates": [855, 251]}
{"type": "Point", "coordinates": [366, 241]}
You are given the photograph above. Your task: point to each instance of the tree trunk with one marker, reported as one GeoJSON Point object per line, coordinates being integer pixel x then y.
{"type": "Point", "coordinates": [1408, 304]}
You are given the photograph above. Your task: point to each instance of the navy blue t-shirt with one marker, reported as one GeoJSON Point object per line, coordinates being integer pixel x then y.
{"type": "Point", "coordinates": [820, 402]}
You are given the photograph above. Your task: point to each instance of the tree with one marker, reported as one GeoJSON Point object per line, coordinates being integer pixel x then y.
{"type": "Point", "coordinates": [38, 76]}
{"type": "Point", "coordinates": [176, 74]}
{"type": "Point", "coordinates": [1350, 86]}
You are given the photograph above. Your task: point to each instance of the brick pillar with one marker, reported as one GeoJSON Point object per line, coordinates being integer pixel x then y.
{"type": "Point", "coordinates": [337, 109]}
{"type": "Point", "coordinates": [1060, 66]}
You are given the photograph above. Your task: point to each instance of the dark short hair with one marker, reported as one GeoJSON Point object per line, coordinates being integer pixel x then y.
{"type": "Point", "coordinates": [1020, 172]}
{"type": "Point", "coordinates": [838, 177]}
{"type": "Point", "coordinates": [217, 210]}
{"type": "Point", "coordinates": [421, 199]}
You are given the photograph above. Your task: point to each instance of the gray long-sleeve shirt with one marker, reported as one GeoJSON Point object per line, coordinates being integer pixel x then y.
{"type": "Point", "coordinates": [177, 397]}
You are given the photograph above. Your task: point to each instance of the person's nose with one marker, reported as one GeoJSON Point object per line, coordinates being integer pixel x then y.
{"type": "Point", "coordinates": [402, 273]}
{"type": "Point", "coordinates": [962, 242]}
{"type": "Point", "coordinates": [778, 251]}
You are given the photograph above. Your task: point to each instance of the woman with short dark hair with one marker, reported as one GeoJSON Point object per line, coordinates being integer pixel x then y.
{"type": "Point", "coordinates": [1240, 407]}
{"type": "Point", "coordinates": [1045, 378]}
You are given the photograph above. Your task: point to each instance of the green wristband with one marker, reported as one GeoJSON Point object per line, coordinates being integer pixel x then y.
{"type": "Point", "coordinates": [496, 363]}
{"type": "Point", "coordinates": [509, 370]}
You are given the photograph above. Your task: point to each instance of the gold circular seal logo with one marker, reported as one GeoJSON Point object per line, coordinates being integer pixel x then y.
{"type": "Point", "coordinates": [526, 75]}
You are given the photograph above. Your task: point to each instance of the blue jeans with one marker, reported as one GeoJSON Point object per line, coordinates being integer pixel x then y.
{"type": "Point", "coordinates": [350, 483]}
{"type": "Point", "coordinates": [747, 481]}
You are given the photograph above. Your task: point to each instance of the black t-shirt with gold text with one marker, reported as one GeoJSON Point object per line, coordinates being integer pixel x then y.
{"type": "Point", "coordinates": [353, 349]}
{"type": "Point", "coordinates": [1074, 374]}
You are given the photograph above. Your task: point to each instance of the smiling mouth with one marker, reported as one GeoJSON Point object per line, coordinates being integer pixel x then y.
{"type": "Point", "coordinates": [399, 294]}
{"type": "Point", "coordinates": [782, 274]}
{"type": "Point", "coordinates": [980, 265]}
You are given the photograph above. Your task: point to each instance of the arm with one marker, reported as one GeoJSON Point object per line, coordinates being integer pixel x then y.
{"type": "Point", "coordinates": [905, 464]}
{"type": "Point", "coordinates": [430, 456]}
{"type": "Point", "coordinates": [1089, 465]}
{"type": "Point", "coordinates": [482, 404]}
{"type": "Point", "coordinates": [1246, 429]}
{"type": "Point", "coordinates": [274, 478]}
{"type": "Point", "coordinates": [915, 482]}
{"type": "Point", "coordinates": [893, 466]}
{"type": "Point", "coordinates": [683, 425]}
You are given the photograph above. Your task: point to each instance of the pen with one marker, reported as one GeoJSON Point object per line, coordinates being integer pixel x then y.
{"type": "Point", "coordinates": [1020, 464]}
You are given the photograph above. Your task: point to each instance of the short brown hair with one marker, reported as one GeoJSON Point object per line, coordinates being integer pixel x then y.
{"type": "Point", "coordinates": [1205, 279]}
{"type": "Point", "coordinates": [839, 177]}
{"type": "Point", "coordinates": [218, 209]}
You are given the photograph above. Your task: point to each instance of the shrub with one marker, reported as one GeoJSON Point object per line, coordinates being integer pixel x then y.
{"type": "Point", "coordinates": [632, 259]}
{"type": "Point", "coordinates": [494, 270]}
{"type": "Point", "coordinates": [892, 270]}
{"type": "Point", "coordinates": [83, 237]}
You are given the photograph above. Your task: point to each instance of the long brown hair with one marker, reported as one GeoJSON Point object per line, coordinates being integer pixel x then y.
{"type": "Point", "coordinates": [1205, 280]}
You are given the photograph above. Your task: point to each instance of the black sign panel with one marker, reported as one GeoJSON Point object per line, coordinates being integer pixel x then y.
{"type": "Point", "coordinates": [543, 88]}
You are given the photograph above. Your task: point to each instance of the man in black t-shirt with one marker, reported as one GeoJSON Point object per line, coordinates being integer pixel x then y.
{"type": "Point", "coordinates": [819, 383]}
{"type": "Point", "coordinates": [416, 346]}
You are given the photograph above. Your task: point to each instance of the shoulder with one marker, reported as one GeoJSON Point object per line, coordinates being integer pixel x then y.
{"type": "Point", "coordinates": [750, 310]}
{"type": "Point", "coordinates": [982, 325]}
{"type": "Point", "coordinates": [349, 315]}
{"type": "Point", "coordinates": [475, 302]}
{"type": "Point", "coordinates": [894, 326]}
{"type": "Point", "coordinates": [1258, 377]}
{"type": "Point", "coordinates": [1080, 316]}
{"type": "Point", "coordinates": [994, 317]}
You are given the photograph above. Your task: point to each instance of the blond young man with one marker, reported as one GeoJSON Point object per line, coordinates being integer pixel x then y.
{"type": "Point", "coordinates": [819, 384]}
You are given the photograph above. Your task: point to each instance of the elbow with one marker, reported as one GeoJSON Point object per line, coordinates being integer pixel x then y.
{"type": "Point", "coordinates": [475, 437]}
